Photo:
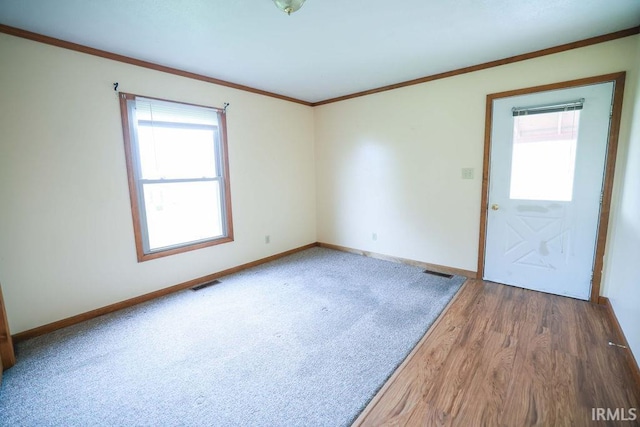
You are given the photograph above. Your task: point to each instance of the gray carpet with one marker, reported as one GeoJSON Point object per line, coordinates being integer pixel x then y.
{"type": "Point", "coordinates": [303, 341]}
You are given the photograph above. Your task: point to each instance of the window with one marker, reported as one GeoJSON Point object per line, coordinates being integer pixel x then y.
{"type": "Point", "coordinates": [178, 175]}
{"type": "Point", "coordinates": [544, 156]}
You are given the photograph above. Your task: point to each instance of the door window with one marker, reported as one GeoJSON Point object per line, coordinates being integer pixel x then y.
{"type": "Point", "coordinates": [544, 156]}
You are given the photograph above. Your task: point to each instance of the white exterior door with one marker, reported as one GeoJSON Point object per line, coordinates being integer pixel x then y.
{"type": "Point", "coordinates": [548, 153]}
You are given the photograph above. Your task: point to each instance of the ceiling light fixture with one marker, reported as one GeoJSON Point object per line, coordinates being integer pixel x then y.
{"type": "Point", "coordinates": [289, 6]}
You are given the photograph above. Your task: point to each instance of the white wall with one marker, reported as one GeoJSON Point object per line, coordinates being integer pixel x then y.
{"type": "Point", "coordinates": [622, 269]}
{"type": "Point", "coordinates": [66, 235]}
{"type": "Point", "coordinates": [390, 163]}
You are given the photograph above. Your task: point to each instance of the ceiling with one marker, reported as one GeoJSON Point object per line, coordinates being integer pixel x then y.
{"type": "Point", "coordinates": [327, 49]}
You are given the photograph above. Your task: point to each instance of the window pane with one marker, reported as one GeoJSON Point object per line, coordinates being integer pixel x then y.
{"type": "Point", "coordinates": [544, 156]}
{"type": "Point", "coordinates": [175, 152]}
{"type": "Point", "coordinates": [178, 213]}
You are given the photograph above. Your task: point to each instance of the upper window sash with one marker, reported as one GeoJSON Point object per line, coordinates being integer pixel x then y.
{"type": "Point", "coordinates": [156, 139]}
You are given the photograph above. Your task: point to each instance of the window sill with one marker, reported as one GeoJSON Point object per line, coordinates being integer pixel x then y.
{"type": "Point", "coordinates": [173, 251]}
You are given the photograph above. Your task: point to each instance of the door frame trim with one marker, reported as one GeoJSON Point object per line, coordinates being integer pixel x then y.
{"type": "Point", "coordinates": [612, 149]}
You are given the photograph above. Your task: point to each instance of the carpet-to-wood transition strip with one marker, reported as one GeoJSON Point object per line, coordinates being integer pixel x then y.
{"type": "Point", "coordinates": [502, 355]}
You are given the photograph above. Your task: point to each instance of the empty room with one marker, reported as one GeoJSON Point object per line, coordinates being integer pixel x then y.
{"type": "Point", "coordinates": [319, 213]}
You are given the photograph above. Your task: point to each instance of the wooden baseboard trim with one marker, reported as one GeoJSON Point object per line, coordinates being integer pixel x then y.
{"type": "Point", "coordinates": [406, 361]}
{"type": "Point", "coordinates": [73, 320]}
{"type": "Point", "coordinates": [425, 265]}
{"type": "Point", "coordinates": [631, 360]}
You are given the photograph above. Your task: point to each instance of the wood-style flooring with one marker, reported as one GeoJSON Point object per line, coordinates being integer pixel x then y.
{"type": "Point", "coordinates": [505, 356]}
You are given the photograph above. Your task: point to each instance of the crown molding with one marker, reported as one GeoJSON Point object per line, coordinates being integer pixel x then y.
{"type": "Point", "coordinates": [17, 32]}
{"type": "Point", "coordinates": [145, 64]}
{"type": "Point", "coordinates": [510, 60]}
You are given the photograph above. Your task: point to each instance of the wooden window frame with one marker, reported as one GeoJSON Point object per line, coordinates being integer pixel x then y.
{"type": "Point", "coordinates": [134, 193]}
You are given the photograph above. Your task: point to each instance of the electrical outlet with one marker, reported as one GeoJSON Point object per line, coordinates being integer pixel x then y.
{"type": "Point", "coordinates": [374, 236]}
{"type": "Point", "coordinates": [267, 239]}
{"type": "Point", "coordinates": [467, 173]}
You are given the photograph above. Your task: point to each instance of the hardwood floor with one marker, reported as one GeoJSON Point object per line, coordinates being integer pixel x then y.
{"type": "Point", "coordinates": [505, 356]}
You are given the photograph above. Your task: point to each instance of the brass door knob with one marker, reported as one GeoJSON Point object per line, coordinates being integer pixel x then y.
{"type": "Point", "coordinates": [495, 207]}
